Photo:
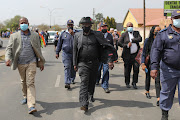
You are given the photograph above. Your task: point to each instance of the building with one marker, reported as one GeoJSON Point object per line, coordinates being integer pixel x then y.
{"type": "Point", "coordinates": [153, 17]}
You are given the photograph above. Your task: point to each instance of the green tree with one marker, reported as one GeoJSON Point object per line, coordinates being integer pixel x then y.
{"type": "Point", "coordinates": [56, 28]}
{"type": "Point", "coordinates": [111, 22]}
{"type": "Point", "coordinates": [13, 23]}
{"type": "Point", "coordinates": [43, 27]}
{"type": "Point", "coordinates": [99, 18]}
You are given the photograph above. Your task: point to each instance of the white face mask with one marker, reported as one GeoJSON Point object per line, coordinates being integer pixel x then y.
{"type": "Point", "coordinates": [176, 23]}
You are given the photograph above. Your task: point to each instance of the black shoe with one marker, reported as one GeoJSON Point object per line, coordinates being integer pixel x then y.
{"type": "Point", "coordinates": [97, 83]}
{"type": "Point", "coordinates": [134, 86]}
{"type": "Point", "coordinates": [106, 90]}
{"type": "Point", "coordinates": [164, 115]}
{"type": "Point", "coordinates": [73, 82]}
{"type": "Point", "coordinates": [85, 108]}
{"type": "Point", "coordinates": [148, 95]}
{"type": "Point", "coordinates": [91, 98]}
{"type": "Point", "coordinates": [67, 86]}
{"type": "Point", "coordinates": [157, 103]}
{"type": "Point", "coordinates": [128, 86]}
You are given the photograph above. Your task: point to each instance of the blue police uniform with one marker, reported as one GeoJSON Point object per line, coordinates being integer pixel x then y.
{"type": "Point", "coordinates": [65, 44]}
{"type": "Point", "coordinates": [166, 47]}
{"type": "Point", "coordinates": [105, 78]}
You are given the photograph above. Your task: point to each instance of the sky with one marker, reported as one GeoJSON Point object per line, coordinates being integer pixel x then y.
{"type": "Point", "coordinates": [37, 11]}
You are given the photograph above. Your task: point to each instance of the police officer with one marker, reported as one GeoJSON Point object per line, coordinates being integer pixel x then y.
{"type": "Point", "coordinates": [167, 47]}
{"type": "Point", "coordinates": [65, 44]}
{"type": "Point", "coordinates": [105, 78]}
{"type": "Point", "coordinates": [90, 48]}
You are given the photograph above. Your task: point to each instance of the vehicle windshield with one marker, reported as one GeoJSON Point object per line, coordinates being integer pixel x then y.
{"type": "Point", "coordinates": [52, 33]}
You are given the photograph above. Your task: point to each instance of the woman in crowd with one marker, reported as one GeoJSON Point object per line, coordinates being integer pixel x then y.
{"type": "Point", "coordinates": [146, 64]}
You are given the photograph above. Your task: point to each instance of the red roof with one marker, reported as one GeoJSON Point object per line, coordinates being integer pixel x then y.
{"type": "Point", "coordinates": [153, 16]}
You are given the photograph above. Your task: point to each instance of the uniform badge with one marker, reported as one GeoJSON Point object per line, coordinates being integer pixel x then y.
{"type": "Point", "coordinates": [170, 36]}
{"type": "Point", "coordinates": [178, 11]}
{"type": "Point", "coordinates": [70, 21]}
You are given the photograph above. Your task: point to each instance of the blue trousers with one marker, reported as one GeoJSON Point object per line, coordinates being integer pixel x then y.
{"type": "Point", "coordinates": [105, 78]}
{"type": "Point", "coordinates": [170, 78]}
{"type": "Point", "coordinates": [69, 73]}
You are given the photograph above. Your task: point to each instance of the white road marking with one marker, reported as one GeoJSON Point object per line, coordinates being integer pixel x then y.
{"type": "Point", "coordinates": [58, 81]}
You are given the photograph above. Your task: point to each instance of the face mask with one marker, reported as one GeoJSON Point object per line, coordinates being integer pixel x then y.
{"type": "Point", "coordinates": [70, 28]}
{"type": "Point", "coordinates": [104, 30]}
{"type": "Point", "coordinates": [155, 33]}
{"type": "Point", "coordinates": [115, 32]}
{"type": "Point", "coordinates": [130, 29]}
{"type": "Point", "coordinates": [176, 23]}
{"type": "Point", "coordinates": [24, 27]}
{"type": "Point", "coordinates": [86, 29]}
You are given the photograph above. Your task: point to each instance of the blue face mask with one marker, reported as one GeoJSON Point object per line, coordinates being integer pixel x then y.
{"type": "Point", "coordinates": [24, 27]}
{"type": "Point", "coordinates": [130, 29]}
{"type": "Point", "coordinates": [176, 23]}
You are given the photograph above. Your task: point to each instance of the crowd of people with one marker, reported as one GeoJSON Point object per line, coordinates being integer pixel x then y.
{"type": "Point", "coordinates": [88, 52]}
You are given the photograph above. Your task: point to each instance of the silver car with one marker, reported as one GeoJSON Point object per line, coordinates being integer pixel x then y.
{"type": "Point", "coordinates": [1, 42]}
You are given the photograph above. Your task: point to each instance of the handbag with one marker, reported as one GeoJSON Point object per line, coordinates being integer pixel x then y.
{"type": "Point", "coordinates": [139, 56]}
{"type": "Point", "coordinates": [147, 59]}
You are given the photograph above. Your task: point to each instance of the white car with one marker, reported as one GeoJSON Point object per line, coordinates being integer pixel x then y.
{"type": "Point", "coordinates": [1, 43]}
{"type": "Point", "coordinates": [51, 36]}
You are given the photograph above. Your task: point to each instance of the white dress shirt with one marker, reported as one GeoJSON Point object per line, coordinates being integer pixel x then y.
{"type": "Point", "coordinates": [134, 46]}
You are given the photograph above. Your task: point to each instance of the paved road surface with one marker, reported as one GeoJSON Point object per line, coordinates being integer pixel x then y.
{"type": "Point", "coordinates": [54, 102]}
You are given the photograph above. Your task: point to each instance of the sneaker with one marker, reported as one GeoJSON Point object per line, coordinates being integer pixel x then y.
{"type": "Point", "coordinates": [24, 101]}
{"type": "Point", "coordinates": [32, 110]}
{"type": "Point", "coordinates": [67, 86]}
{"type": "Point", "coordinates": [106, 90]}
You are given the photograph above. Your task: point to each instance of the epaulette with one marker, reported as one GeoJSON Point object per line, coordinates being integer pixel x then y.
{"type": "Point", "coordinates": [163, 30]}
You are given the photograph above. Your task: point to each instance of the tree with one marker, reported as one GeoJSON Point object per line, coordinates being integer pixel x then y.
{"type": "Point", "coordinates": [111, 22]}
{"type": "Point", "coordinates": [43, 27]}
{"type": "Point", "coordinates": [56, 28]}
{"type": "Point", "coordinates": [99, 18]}
{"type": "Point", "coordinates": [13, 23]}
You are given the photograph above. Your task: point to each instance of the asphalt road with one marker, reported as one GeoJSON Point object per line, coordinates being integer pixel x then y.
{"type": "Point", "coordinates": [54, 102]}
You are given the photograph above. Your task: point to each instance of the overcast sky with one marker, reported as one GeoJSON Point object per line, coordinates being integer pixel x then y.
{"type": "Point", "coordinates": [37, 10]}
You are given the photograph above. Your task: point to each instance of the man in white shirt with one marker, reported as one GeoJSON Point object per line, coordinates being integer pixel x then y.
{"type": "Point", "coordinates": [129, 41]}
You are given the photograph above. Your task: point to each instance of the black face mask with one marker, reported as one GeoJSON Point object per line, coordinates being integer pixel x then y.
{"type": "Point", "coordinates": [70, 28]}
{"type": "Point", "coordinates": [155, 33]}
{"type": "Point", "coordinates": [104, 30]}
{"type": "Point", "coordinates": [86, 29]}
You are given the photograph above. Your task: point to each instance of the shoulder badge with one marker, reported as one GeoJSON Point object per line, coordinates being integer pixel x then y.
{"type": "Point", "coordinates": [170, 36]}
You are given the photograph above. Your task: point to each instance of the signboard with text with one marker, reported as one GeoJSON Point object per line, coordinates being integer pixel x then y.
{"type": "Point", "coordinates": [170, 6]}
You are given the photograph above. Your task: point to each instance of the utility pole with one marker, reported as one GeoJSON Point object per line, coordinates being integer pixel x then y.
{"type": "Point", "coordinates": [144, 20]}
{"type": "Point", "coordinates": [94, 18]}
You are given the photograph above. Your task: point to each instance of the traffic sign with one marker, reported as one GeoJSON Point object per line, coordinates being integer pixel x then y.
{"type": "Point", "coordinates": [170, 6]}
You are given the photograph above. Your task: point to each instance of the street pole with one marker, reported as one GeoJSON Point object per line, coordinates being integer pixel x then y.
{"type": "Point", "coordinates": [94, 17]}
{"type": "Point", "coordinates": [144, 20]}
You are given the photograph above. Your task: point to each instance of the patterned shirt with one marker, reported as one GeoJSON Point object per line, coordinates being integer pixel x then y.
{"type": "Point", "coordinates": [27, 54]}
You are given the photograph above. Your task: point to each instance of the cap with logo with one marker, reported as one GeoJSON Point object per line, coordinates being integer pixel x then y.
{"type": "Point", "coordinates": [175, 13]}
{"type": "Point", "coordinates": [103, 24]}
{"type": "Point", "coordinates": [70, 22]}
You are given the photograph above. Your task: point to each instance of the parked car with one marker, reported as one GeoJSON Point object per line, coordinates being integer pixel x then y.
{"type": "Point", "coordinates": [51, 36]}
{"type": "Point", "coordinates": [1, 42]}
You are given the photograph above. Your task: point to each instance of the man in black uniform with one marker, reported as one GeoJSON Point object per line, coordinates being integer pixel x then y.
{"type": "Point", "coordinates": [90, 48]}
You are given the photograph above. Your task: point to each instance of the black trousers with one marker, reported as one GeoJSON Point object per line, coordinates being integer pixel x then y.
{"type": "Point", "coordinates": [128, 64]}
{"type": "Point", "coordinates": [157, 82]}
{"type": "Point", "coordinates": [88, 75]}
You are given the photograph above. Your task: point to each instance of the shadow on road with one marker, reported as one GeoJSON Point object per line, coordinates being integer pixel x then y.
{"type": "Point", "coordinates": [121, 103]}
{"type": "Point", "coordinates": [49, 108]}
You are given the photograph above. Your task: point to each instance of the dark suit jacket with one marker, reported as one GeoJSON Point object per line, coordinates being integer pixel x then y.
{"type": "Point", "coordinates": [107, 52]}
{"type": "Point", "coordinates": [124, 40]}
